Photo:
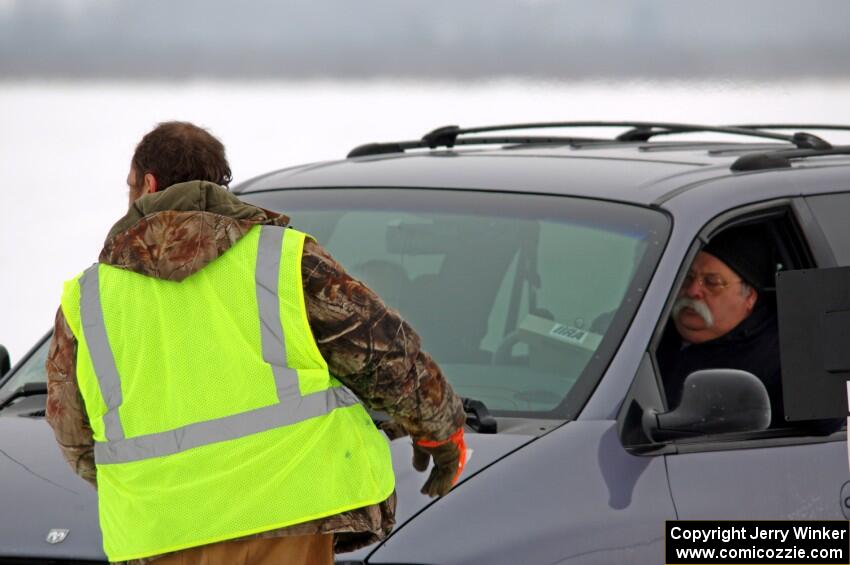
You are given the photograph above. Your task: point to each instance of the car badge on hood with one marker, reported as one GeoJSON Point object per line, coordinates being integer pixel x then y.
{"type": "Point", "coordinates": [56, 535]}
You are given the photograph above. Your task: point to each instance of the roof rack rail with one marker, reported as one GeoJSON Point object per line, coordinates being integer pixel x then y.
{"type": "Point", "coordinates": [401, 146]}
{"type": "Point", "coordinates": [802, 140]}
{"type": "Point", "coordinates": [447, 136]}
{"type": "Point", "coordinates": [781, 159]}
{"type": "Point", "coordinates": [824, 127]}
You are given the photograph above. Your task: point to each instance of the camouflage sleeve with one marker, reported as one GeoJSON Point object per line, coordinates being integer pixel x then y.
{"type": "Point", "coordinates": [375, 353]}
{"type": "Point", "coordinates": [66, 413]}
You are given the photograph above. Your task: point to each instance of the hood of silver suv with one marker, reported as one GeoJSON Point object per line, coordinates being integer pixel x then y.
{"type": "Point", "coordinates": [41, 496]}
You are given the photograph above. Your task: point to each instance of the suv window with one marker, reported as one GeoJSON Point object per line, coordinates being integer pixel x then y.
{"type": "Point", "coordinates": [513, 295]}
{"type": "Point", "coordinates": [831, 213]}
{"type": "Point", "coordinates": [789, 254]}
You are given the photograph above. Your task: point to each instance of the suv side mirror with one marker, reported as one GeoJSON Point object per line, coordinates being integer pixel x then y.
{"type": "Point", "coordinates": [714, 401]}
{"type": "Point", "coordinates": [5, 363]}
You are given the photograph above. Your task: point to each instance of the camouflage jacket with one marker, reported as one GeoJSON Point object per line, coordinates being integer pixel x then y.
{"type": "Point", "coordinates": [368, 347]}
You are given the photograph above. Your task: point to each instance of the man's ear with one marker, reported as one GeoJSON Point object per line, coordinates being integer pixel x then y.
{"type": "Point", "coordinates": [751, 299]}
{"type": "Point", "coordinates": [151, 185]}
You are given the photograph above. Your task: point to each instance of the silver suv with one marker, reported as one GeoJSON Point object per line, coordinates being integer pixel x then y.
{"type": "Point", "coordinates": [541, 271]}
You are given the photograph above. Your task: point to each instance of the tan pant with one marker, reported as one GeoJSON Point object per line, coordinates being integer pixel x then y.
{"type": "Point", "coordinates": [287, 550]}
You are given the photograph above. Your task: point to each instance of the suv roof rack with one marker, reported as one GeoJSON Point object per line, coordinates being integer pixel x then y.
{"type": "Point", "coordinates": [448, 136]}
{"type": "Point", "coordinates": [801, 139]}
{"type": "Point", "coordinates": [401, 146]}
{"type": "Point", "coordinates": [781, 159]}
{"type": "Point", "coordinates": [825, 127]}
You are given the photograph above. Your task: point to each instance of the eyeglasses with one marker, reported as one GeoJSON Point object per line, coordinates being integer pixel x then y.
{"type": "Point", "coordinates": [712, 282]}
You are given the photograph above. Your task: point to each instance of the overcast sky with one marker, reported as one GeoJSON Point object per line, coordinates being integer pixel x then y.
{"type": "Point", "coordinates": [444, 39]}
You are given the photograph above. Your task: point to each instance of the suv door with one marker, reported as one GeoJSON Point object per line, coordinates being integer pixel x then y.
{"type": "Point", "coordinates": [778, 473]}
{"type": "Point", "coordinates": [769, 477]}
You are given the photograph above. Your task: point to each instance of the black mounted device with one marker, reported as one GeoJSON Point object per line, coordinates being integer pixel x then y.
{"type": "Point", "coordinates": [814, 337]}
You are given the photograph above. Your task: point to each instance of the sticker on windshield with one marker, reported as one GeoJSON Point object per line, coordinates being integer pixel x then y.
{"type": "Point", "coordinates": [568, 333]}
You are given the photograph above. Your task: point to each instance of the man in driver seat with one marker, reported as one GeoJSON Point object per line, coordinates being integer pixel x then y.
{"type": "Point", "coordinates": [725, 316]}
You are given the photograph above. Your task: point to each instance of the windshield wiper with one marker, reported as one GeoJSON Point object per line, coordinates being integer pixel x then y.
{"type": "Point", "coordinates": [478, 417]}
{"type": "Point", "coordinates": [28, 389]}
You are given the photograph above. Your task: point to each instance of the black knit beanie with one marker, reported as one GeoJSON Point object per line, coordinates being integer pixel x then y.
{"type": "Point", "coordinates": [748, 251]}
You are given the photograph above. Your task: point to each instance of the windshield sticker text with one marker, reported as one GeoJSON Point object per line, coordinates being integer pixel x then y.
{"type": "Point", "coordinates": [568, 333]}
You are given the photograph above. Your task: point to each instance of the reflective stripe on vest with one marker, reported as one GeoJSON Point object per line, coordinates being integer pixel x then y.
{"type": "Point", "coordinates": [91, 317]}
{"type": "Point", "coordinates": [291, 408]}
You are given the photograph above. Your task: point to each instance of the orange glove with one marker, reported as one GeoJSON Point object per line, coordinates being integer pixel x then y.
{"type": "Point", "coordinates": [449, 459]}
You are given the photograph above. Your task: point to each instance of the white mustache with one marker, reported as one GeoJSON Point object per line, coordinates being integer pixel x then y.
{"type": "Point", "coordinates": [697, 306]}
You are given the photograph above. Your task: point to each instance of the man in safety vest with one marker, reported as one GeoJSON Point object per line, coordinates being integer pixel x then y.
{"type": "Point", "coordinates": [204, 376]}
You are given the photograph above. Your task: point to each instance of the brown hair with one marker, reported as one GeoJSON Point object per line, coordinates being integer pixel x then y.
{"type": "Point", "coordinates": [178, 152]}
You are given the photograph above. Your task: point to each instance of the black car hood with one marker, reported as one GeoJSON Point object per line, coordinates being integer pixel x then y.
{"type": "Point", "coordinates": [40, 492]}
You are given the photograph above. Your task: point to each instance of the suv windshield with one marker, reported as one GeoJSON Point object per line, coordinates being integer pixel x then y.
{"type": "Point", "coordinates": [517, 297]}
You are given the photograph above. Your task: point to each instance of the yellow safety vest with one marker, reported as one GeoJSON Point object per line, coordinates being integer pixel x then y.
{"type": "Point", "coordinates": [213, 413]}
